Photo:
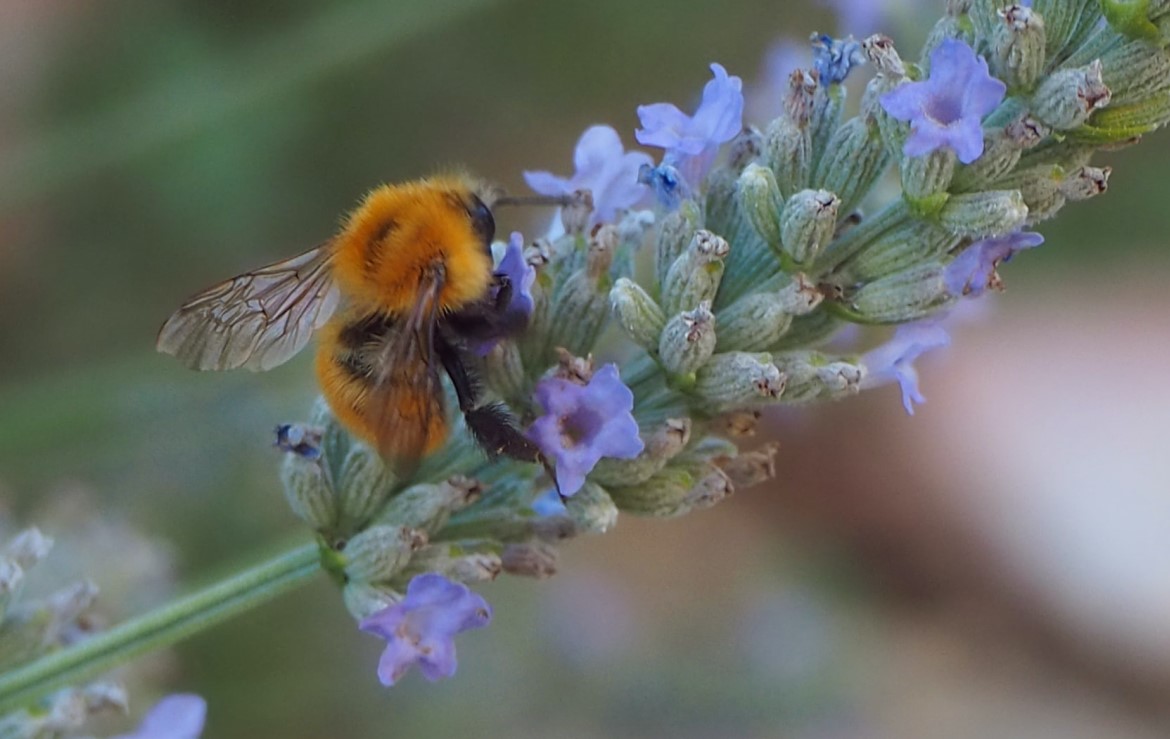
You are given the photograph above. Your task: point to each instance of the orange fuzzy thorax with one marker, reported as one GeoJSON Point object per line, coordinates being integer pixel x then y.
{"type": "Point", "coordinates": [399, 234]}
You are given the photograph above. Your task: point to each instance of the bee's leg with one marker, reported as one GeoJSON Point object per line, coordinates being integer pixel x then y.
{"type": "Point", "coordinates": [491, 425]}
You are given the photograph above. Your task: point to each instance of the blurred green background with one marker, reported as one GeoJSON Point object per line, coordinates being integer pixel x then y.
{"type": "Point", "coordinates": [150, 148]}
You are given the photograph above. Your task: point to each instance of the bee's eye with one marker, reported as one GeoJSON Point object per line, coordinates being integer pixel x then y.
{"type": "Point", "coordinates": [482, 221]}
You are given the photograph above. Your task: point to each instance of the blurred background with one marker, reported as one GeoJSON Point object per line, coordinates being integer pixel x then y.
{"type": "Point", "coordinates": [997, 565]}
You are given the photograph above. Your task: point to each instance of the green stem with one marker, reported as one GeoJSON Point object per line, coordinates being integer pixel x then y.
{"type": "Point", "coordinates": [161, 627]}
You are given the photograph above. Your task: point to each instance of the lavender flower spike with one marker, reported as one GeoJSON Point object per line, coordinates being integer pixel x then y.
{"type": "Point", "coordinates": [973, 271]}
{"type": "Point", "coordinates": [582, 424]}
{"type": "Point", "coordinates": [178, 716]}
{"type": "Point", "coordinates": [420, 629]}
{"type": "Point", "coordinates": [894, 360]}
{"type": "Point", "coordinates": [692, 141]}
{"type": "Point", "coordinates": [603, 166]}
{"type": "Point", "coordinates": [947, 109]}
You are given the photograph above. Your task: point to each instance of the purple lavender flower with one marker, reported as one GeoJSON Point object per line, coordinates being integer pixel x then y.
{"type": "Point", "coordinates": [583, 423]}
{"type": "Point", "coordinates": [692, 141]}
{"type": "Point", "coordinates": [520, 276]}
{"type": "Point", "coordinates": [947, 109]}
{"type": "Point", "coordinates": [973, 271]}
{"type": "Point", "coordinates": [894, 360]}
{"type": "Point", "coordinates": [178, 716]}
{"type": "Point", "coordinates": [420, 629]}
{"type": "Point", "coordinates": [834, 58]}
{"type": "Point", "coordinates": [602, 166]}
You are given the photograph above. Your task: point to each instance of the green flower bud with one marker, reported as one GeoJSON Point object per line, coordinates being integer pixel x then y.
{"type": "Point", "coordinates": [661, 445]}
{"type": "Point", "coordinates": [807, 224]}
{"type": "Point", "coordinates": [378, 553]}
{"type": "Point", "coordinates": [1066, 98]}
{"type": "Point", "coordinates": [335, 440]}
{"type": "Point", "coordinates": [581, 305]}
{"type": "Point", "coordinates": [813, 377]}
{"type": "Point", "coordinates": [904, 245]}
{"type": "Point", "coordinates": [637, 313]}
{"type": "Point", "coordinates": [828, 103]}
{"type": "Point", "coordinates": [853, 160]}
{"type": "Point", "coordinates": [955, 24]}
{"type": "Point", "coordinates": [675, 490]}
{"type": "Point", "coordinates": [309, 491]}
{"type": "Point", "coordinates": [363, 486]}
{"type": "Point", "coordinates": [1085, 182]}
{"type": "Point", "coordinates": [891, 72]}
{"type": "Point", "coordinates": [978, 214]}
{"type": "Point", "coordinates": [363, 599]}
{"type": "Point", "coordinates": [1002, 149]}
{"type": "Point", "coordinates": [1135, 71]}
{"type": "Point", "coordinates": [925, 180]}
{"type": "Point", "coordinates": [903, 296]}
{"type": "Point", "coordinates": [473, 560]}
{"type": "Point", "coordinates": [675, 233]}
{"type": "Point", "coordinates": [757, 321]}
{"type": "Point", "coordinates": [530, 559]}
{"type": "Point", "coordinates": [1063, 20]}
{"type": "Point", "coordinates": [788, 140]}
{"type": "Point", "coordinates": [1123, 123]}
{"type": "Point", "coordinates": [688, 341]}
{"type": "Point", "coordinates": [427, 506]}
{"type": "Point", "coordinates": [761, 202]}
{"type": "Point", "coordinates": [721, 206]}
{"type": "Point", "coordinates": [591, 509]}
{"type": "Point", "coordinates": [632, 230]}
{"type": "Point", "coordinates": [1040, 189]}
{"type": "Point", "coordinates": [734, 380]}
{"type": "Point", "coordinates": [1018, 47]}
{"type": "Point", "coordinates": [503, 370]}
{"type": "Point", "coordinates": [695, 275]}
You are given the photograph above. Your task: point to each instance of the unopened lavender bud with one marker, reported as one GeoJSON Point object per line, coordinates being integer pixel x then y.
{"type": "Point", "coordinates": [426, 507]}
{"type": "Point", "coordinates": [788, 140]}
{"type": "Point", "coordinates": [904, 245]}
{"type": "Point", "coordinates": [1018, 45]}
{"type": "Point", "coordinates": [575, 216]}
{"type": "Point", "coordinates": [734, 380]}
{"type": "Point", "coordinates": [903, 296]}
{"type": "Point", "coordinates": [807, 224]}
{"type": "Point", "coordinates": [1040, 189]}
{"type": "Point", "coordinates": [1123, 124]}
{"type": "Point", "coordinates": [695, 275]}
{"type": "Point", "coordinates": [334, 440]}
{"type": "Point", "coordinates": [954, 24]}
{"type": "Point", "coordinates": [362, 487]}
{"type": "Point", "coordinates": [758, 320]}
{"type": "Point", "coordinates": [468, 561]}
{"type": "Point", "coordinates": [592, 509]}
{"type": "Point", "coordinates": [688, 341]}
{"type": "Point", "coordinates": [1001, 152]}
{"type": "Point", "coordinates": [720, 201]}
{"type": "Point", "coordinates": [746, 469]}
{"type": "Point", "coordinates": [745, 148]}
{"type": "Point", "coordinates": [891, 73]}
{"type": "Point", "coordinates": [363, 599]}
{"type": "Point", "coordinates": [761, 202]}
{"type": "Point", "coordinates": [675, 233]}
{"type": "Point", "coordinates": [925, 180]}
{"type": "Point", "coordinates": [986, 213]}
{"type": "Point", "coordinates": [504, 370]}
{"type": "Point", "coordinates": [852, 160]}
{"type": "Point", "coordinates": [637, 313]}
{"type": "Point", "coordinates": [530, 559]}
{"type": "Point", "coordinates": [380, 552]}
{"type": "Point", "coordinates": [603, 242]}
{"type": "Point", "coordinates": [663, 494]}
{"type": "Point", "coordinates": [661, 445]}
{"type": "Point", "coordinates": [1066, 98]}
{"type": "Point", "coordinates": [578, 312]}
{"type": "Point", "coordinates": [28, 547]}
{"type": "Point", "coordinates": [1085, 182]}
{"type": "Point", "coordinates": [309, 491]}
{"type": "Point", "coordinates": [814, 377]}
{"type": "Point", "coordinates": [1135, 71]}
{"type": "Point", "coordinates": [712, 485]}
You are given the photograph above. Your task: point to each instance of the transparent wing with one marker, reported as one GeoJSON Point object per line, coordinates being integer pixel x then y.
{"type": "Point", "coordinates": [257, 320]}
{"type": "Point", "coordinates": [406, 401]}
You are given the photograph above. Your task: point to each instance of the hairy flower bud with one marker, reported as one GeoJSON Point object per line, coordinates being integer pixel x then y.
{"type": "Point", "coordinates": [925, 180]}
{"type": "Point", "coordinates": [903, 296]}
{"type": "Point", "coordinates": [377, 554]}
{"type": "Point", "coordinates": [363, 486]}
{"type": "Point", "coordinates": [807, 224]}
{"type": "Point", "coordinates": [1018, 46]}
{"type": "Point", "coordinates": [986, 213]}
{"type": "Point", "coordinates": [853, 159]}
{"type": "Point", "coordinates": [695, 275]}
{"type": "Point", "coordinates": [426, 507]}
{"type": "Point", "coordinates": [661, 445]}
{"type": "Point", "coordinates": [1067, 98]}
{"type": "Point", "coordinates": [675, 490]}
{"type": "Point", "coordinates": [906, 244]}
{"type": "Point", "coordinates": [788, 140]}
{"type": "Point", "coordinates": [687, 343]}
{"type": "Point", "coordinates": [637, 313]}
{"type": "Point", "coordinates": [757, 321]}
{"type": "Point", "coordinates": [309, 491]}
{"type": "Point", "coordinates": [677, 229]}
{"type": "Point", "coordinates": [468, 561]}
{"type": "Point", "coordinates": [761, 202]}
{"type": "Point", "coordinates": [591, 509]}
{"type": "Point", "coordinates": [363, 599]}
{"type": "Point", "coordinates": [746, 469]}
{"type": "Point", "coordinates": [812, 377]}
{"type": "Point", "coordinates": [734, 380]}
{"type": "Point", "coordinates": [1085, 182]}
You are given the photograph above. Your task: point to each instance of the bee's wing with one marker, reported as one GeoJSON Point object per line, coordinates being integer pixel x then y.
{"type": "Point", "coordinates": [406, 402]}
{"type": "Point", "coordinates": [257, 320]}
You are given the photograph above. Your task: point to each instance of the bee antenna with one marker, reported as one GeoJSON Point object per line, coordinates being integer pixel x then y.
{"type": "Point", "coordinates": [557, 200]}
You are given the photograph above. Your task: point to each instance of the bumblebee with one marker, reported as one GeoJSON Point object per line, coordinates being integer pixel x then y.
{"type": "Point", "coordinates": [404, 289]}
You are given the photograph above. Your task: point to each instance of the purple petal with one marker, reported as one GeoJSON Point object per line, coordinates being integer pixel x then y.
{"type": "Point", "coordinates": [598, 146]}
{"type": "Point", "coordinates": [662, 125]}
{"type": "Point", "coordinates": [966, 138]}
{"type": "Point", "coordinates": [893, 361]}
{"type": "Point", "coordinates": [904, 102]}
{"type": "Point", "coordinates": [546, 183]}
{"type": "Point", "coordinates": [178, 716]}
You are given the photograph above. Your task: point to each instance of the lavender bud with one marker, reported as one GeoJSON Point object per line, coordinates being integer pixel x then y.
{"type": "Point", "coordinates": [688, 341]}
{"type": "Point", "coordinates": [1135, 71]}
{"type": "Point", "coordinates": [334, 440]}
{"type": "Point", "coordinates": [309, 491]}
{"type": "Point", "coordinates": [576, 215]}
{"type": "Point", "coordinates": [468, 561]}
{"type": "Point", "coordinates": [904, 245]}
{"type": "Point", "coordinates": [807, 224]}
{"type": "Point", "coordinates": [903, 296]}
{"type": "Point", "coordinates": [757, 321]}
{"type": "Point", "coordinates": [1061, 21]}
{"type": "Point", "coordinates": [363, 486]}
{"type": "Point", "coordinates": [1001, 152]}
{"type": "Point", "coordinates": [637, 313]}
{"type": "Point", "coordinates": [1085, 182]}
{"type": "Point", "coordinates": [761, 202]}
{"type": "Point", "coordinates": [1067, 98]}
{"type": "Point", "coordinates": [984, 213]}
{"type": "Point", "coordinates": [1018, 45]}
{"type": "Point", "coordinates": [735, 380]}
{"type": "Point", "coordinates": [591, 509]}
{"type": "Point", "coordinates": [925, 180]}
{"type": "Point", "coordinates": [675, 490]}
{"type": "Point", "coordinates": [377, 554]}
{"type": "Point", "coordinates": [662, 445]}
{"type": "Point", "coordinates": [745, 148]}
{"type": "Point", "coordinates": [675, 233]}
{"type": "Point", "coordinates": [504, 371]}
{"type": "Point", "coordinates": [1122, 124]}
{"type": "Point", "coordinates": [695, 275]}
{"type": "Point", "coordinates": [814, 377]}
{"type": "Point", "coordinates": [852, 161]}
{"type": "Point", "coordinates": [426, 507]}
{"type": "Point", "coordinates": [579, 310]}
{"type": "Point", "coordinates": [363, 599]}
{"type": "Point", "coordinates": [530, 559]}
{"type": "Point", "coordinates": [788, 140]}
